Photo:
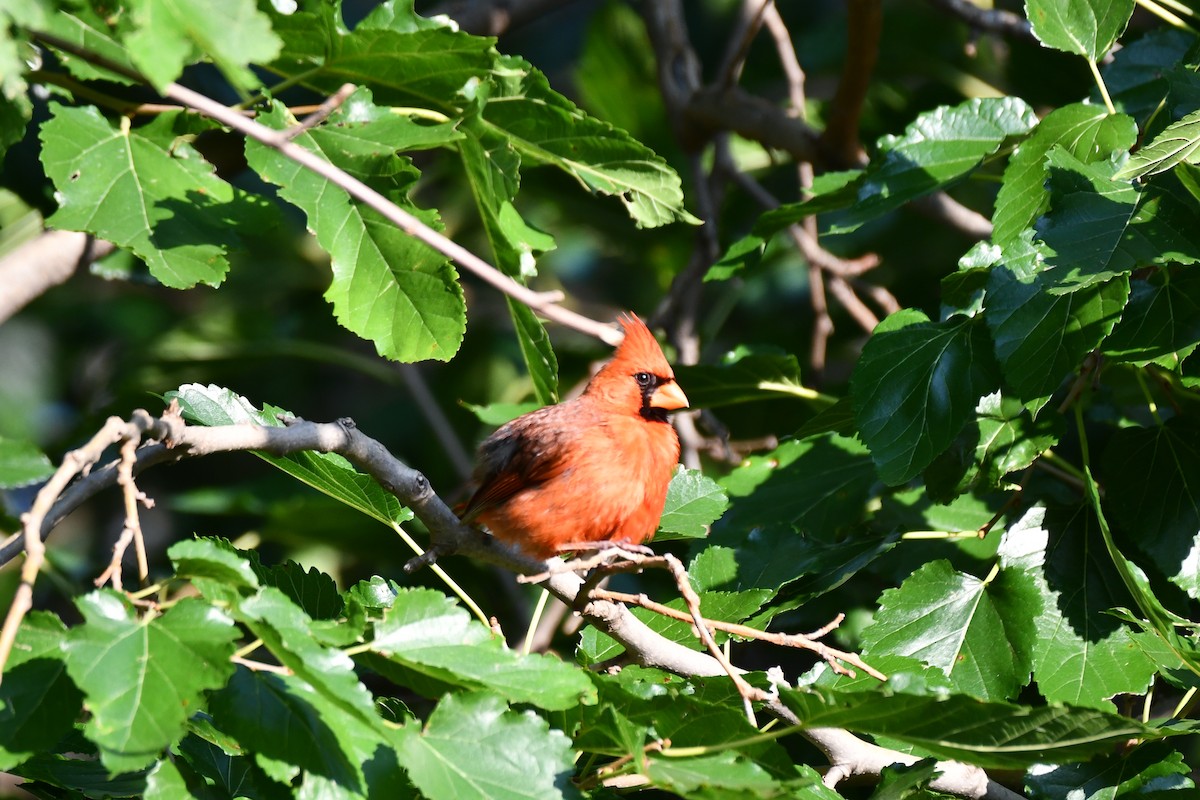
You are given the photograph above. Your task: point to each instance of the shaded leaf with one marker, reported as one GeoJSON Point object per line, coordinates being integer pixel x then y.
{"type": "Point", "coordinates": [38, 702]}
{"type": "Point", "coordinates": [916, 386]}
{"type": "Point", "coordinates": [744, 376]}
{"type": "Point", "coordinates": [1151, 769]}
{"type": "Point", "coordinates": [1161, 318]}
{"type": "Point", "coordinates": [1161, 509]}
{"type": "Point", "coordinates": [992, 735]}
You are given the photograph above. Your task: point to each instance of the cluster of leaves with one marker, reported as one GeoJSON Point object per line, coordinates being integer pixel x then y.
{"type": "Point", "coordinates": [1067, 334]}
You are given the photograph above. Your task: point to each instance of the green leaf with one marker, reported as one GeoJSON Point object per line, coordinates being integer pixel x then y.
{"type": "Point", "coordinates": [387, 287]}
{"type": "Point", "coordinates": [915, 387]}
{"type": "Point", "coordinates": [22, 463]}
{"type": "Point", "coordinates": [723, 774]}
{"type": "Point", "coordinates": [429, 643]}
{"type": "Point", "coordinates": [282, 718]}
{"type": "Point", "coordinates": [1002, 440]}
{"type": "Point", "coordinates": [546, 128]}
{"type": "Point", "coordinates": [1161, 509]}
{"type": "Point", "coordinates": [745, 376]}
{"type": "Point", "coordinates": [497, 414]}
{"type": "Point", "coordinates": [816, 484]}
{"type": "Point", "coordinates": [167, 206]}
{"type": "Point", "coordinates": [1152, 769]}
{"type": "Point", "coordinates": [38, 702]}
{"type": "Point", "coordinates": [1176, 144]}
{"type": "Point", "coordinates": [1085, 27]}
{"type": "Point", "coordinates": [142, 679]}
{"type": "Point", "coordinates": [287, 632]}
{"type": "Point", "coordinates": [473, 746]}
{"type": "Point", "coordinates": [1087, 132]}
{"type": "Point", "coordinates": [693, 503]}
{"type": "Point", "coordinates": [164, 782]}
{"type": "Point", "coordinates": [937, 149]}
{"type": "Point", "coordinates": [215, 564]}
{"type": "Point", "coordinates": [538, 353]}
{"type": "Point", "coordinates": [949, 620]}
{"type": "Point", "coordinates": [326, 472]}
{"type": "Point", "coordinates": [80, 777]}
{"type": "Point", "coordinates": [1041, 338]}
{"type": "Point", "coordinates": [743, 254]}
{"type": "Point", "coordinates": [1081, 655]}
{"type": "Point", "coordinates": [91, 30]}
{"type": "Point", "coordinates": [1161, 318]}
{"type": "Point", "coordinates": [1098, 227]}
{"type": "Point", "coordinates": [990, 735]}
{"type": "Point", "coordinates": [169, 33]}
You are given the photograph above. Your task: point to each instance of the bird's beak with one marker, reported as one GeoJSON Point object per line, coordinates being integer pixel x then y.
{"type": "Point", "coordinates": [668, 397]}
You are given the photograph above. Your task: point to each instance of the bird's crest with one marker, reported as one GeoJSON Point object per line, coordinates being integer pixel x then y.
{"type": "Point", "coordinates": [639, 348]}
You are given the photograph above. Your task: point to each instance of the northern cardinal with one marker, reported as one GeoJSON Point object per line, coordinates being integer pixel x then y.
{"type": "Point", "coordinates": [591, 469]}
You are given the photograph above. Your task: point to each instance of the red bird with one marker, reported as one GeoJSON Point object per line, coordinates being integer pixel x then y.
{"type": "Point", "coordinates": [592, 469]}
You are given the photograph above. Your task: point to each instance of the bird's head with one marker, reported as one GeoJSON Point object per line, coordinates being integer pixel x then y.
{"type": "Point", "coordinates": [638, 379]}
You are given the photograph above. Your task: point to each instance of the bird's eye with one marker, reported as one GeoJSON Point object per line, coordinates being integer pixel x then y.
{"type": "Point", "coordinates": [643, 379]}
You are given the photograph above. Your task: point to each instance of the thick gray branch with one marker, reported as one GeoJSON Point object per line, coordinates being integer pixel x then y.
{"type": "Point", "coordinates": [43, 263]}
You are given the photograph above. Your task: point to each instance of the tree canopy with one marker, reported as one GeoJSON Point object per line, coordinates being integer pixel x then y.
{"type": "Point", "coordinates": [927, 271]}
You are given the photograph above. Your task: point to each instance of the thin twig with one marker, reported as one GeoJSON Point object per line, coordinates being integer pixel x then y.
{"type": "Point", "coordinates": [750, 694]}
{"type": "Point", "coordinates": [750, 20]}
{"type": "Point", "coordinates": [322, 112]}
{"type": "Point", "coordinates": [797, 640]}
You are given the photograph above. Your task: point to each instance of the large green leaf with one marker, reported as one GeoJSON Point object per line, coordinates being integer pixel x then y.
{"type": "Point", "coordinates": [915, 387]}
{"type": "Point", "coordinates": [1084, 27]}
{"type": "Point", "coordinates": [429, 643]}
{"type": "Point", "coordinates": [387, 287]}
{"type": "Point", "coordinates": [816, 484]}
{"type": "Point", "coordinates": [474, 746]}
{"type": "Point", "coordinates": [1088, 132]}
{"type": "Point", "coordinates": [165, 205]}
{"type": "Point", "coordinates": [282, 718]}
{"type": "Point", "coordinates": [949, 620]}
{"type": "Point", "coordinates": [38, 702]}
{"type": "Point", "coordinates": [937, 149]}
{"type": "Point", "coordinates": [142, 679]}
{"type": "Point", "coordinates": [1161, 508]}
{"type": "Point", "coordinates": [169, 34]}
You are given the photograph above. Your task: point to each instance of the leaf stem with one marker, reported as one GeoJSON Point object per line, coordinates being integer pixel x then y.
{"type": "Point", "coordinates": [1108, 103]}
{"type": "Point", "coordinates": [704, 750]}
{"type": "Point", "coordinates": [533, 622]}
{"type": "Point", "coordinates": [797, 390]}
{"type": "Point", "coordinates": [1165, 15]}
{"type": "Point", "coordinates": [446, 579]}
{"type": "Point", "coordinates": [1150, 404]}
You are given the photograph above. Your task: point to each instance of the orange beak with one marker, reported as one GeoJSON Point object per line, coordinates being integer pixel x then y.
{"type": "Point", "coordinates": [668, 397]}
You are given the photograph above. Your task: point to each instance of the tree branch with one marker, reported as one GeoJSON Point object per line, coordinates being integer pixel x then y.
{"type": "Point", "coordinates": [43, 263]}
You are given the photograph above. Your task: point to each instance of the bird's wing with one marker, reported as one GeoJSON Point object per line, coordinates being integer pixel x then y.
{"type": "Point", "coordinates": [519, 456]}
